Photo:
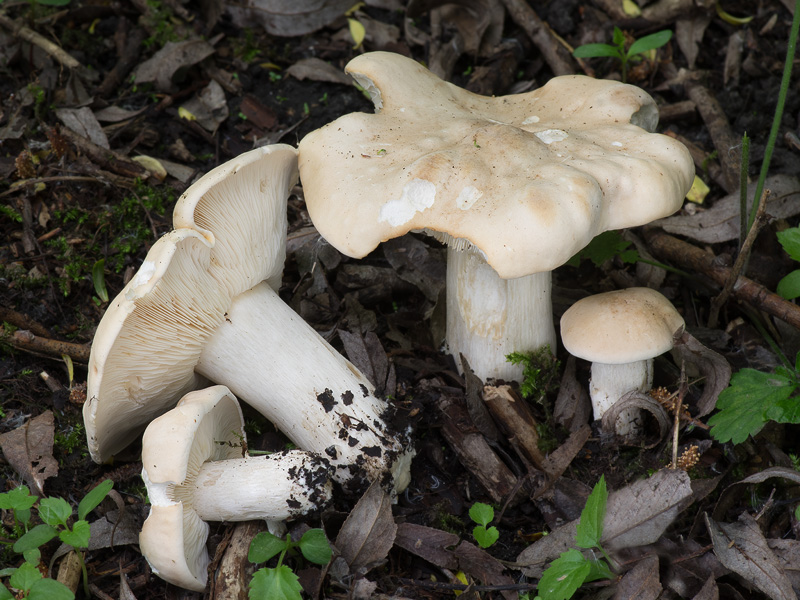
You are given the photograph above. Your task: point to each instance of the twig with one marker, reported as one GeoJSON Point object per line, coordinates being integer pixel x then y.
{"type": "Point", "coordinates": [25, 340]}
{"type": "Point", "coordinates": [17, 185]}
{"type": "Point", "coordinates": [105, 157]}
{"type": "Point", "coordinates": [741, 261]}
{"type": "Point", "coordinates": [443, 585]}
{"type": "Point", "coordinates": [554, 53]}
{"type": "Point", "coordinates": [682, 389]}
{"type": "Point", "coordinates": [22, 321]}
{"type": "Point", "coordinates": [674, 250]}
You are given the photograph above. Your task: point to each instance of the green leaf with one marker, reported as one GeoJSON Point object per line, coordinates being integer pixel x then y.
{"type": "Point", "coordinates": [744, 405]}
{"type": "Point", "coordinates": [790, 240]}
{"type": "Point", "coordinates": [24, 577]}
{"type": "Point", "coordinates": [99, 279]}
{"type": "Point", "coordinates": [32, 555]}
{"type": "Point", "coordinates": [19, 498]}
{"type": "Point", "coordinates": [604, 247]}
{"type": "Point", "coordinates": [599, 570]}
{"type": "Point", "coordinates": [55, 511]}
{"type": "Point", "coordinates": [590, 527]}
{"type": "Point", "coordinates": [94, 498]}
{"type": "Point", "coordinates": [789, 286]}
{"type": "Point", "coordinates": [78, 537]}
{"type": "Point", "coordinates": [650, 42]}
{"type": "Point", "coordinates": [315, 547]}
{"type": "Point", "coordinates": [564, 576]}
{"type": "Point", "coordinates": [5, 594]}
{"type": "Point", "coordinates": [23, 515]}
{"type": "Point", "coordinates": [596, 50]}
{"type": "Point", "coordinates": [37, 536]}
{"type": "Point", "coordinates": [481, 513]}
{"type": "Point", "coordinates": [485, 537]}
{"type": "Point", "coordinates": [54, 2]}
{"type": "Point", "coordinates": [275, 584]}
{"type": "Point", "coordinates": [264, 546]}
{"type": "Point", "coordinates": [618, 38]}
{"type": "Point", "coordinates": [49, 589]}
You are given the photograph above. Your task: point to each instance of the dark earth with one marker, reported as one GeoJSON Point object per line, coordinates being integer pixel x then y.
{"type": "Point", "coordinates": [68, 204]}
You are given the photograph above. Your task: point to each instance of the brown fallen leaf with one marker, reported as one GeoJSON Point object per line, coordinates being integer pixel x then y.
{"type": "Point", "coordinates": [641, 582]}
{"type": "Point", "coordinates": [709, 591]}
{"type": "Point", "coordinates": [369, 357]}
{"type": "Point", "coordinates": [286, 17]}
{"type": "Point", "coordinates": [29, 450]}
{"type": "Point", "coordinates": [317, 69]}
{"type": "Point", "coordinates": [428, 543]}
{"type": "Point", "coordinates": [573, 409]}
{"type": "Point", "coordinates": [742, 548]}
{"type": "Point", "coordinates": [483, 566]}
{"type": "Point", "coordinates": [209, 106]}
{"type": "Point", "coordinates": [169, 60]}
{"type": "Point", "coordinates": [720, 223]}
{"type": "Point", "coordinates": [713, 367]}
{"type": "Point", "coordinates": [369, 531]}
{"type": "Point", "coordinates": [83, 122]}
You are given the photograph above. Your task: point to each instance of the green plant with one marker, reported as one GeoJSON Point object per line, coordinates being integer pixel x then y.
{"type": "Point", "coordinates": [572, 569]}
{"type": "Point", "coordinates": [482, 514]}
{"type": "Point", "coordinates": [789, 286]}
{"type": "Point", "coordinates": [539, 373]}
{"type": "Point", "coordinates": [754, 398]}
{"type": "Point", "coordinates": [55, 514]}
{"type": "Point", "coordinates": [10, 213]}
{"type": "Point", "coordinates": [604, 247]}
{"type": "Point", "coordinates": [280, 582]}
{"type": "Point", "coordinates": [617, 48]}
{"type": "Point", "coordinates": [19, 501]}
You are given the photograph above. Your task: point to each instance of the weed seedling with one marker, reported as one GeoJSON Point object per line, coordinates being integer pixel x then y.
{"type": "Point", "coordinates": [617, 48]}
{"type": "Point", "coordinates": [572, 569]}
{"type": "Point", "coordinates": [55, 514]}
{"type": "Point", "coordinates": [482, 514]}
{"type": "Point", "coordinates": [280, 582]}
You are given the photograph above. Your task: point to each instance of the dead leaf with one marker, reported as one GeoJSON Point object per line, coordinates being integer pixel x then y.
{"type": "Point", "coordinates": [788, 554]}
{"type": "Point", "coordinates": [29, 450]}
{"type": "Point", "coordinates": [83, 122]}
{"type": "Point", "coordinates": [472, 18]}
{"type": "Point", "coordinates": [125, 592]}
{"type": "Point", "coordinates": [428, 543]}
{"type": "Point", "coordinates": [709, 591]}
{"type": "Point", "coordinates": [720, 223]}
{"type": "Point", "coordinates": [713, 367]}
{"type": "Point", "coordinates": [573, 407]}
{"type": "Point", "coordinates": [733, 492]}
{"type": "Point", "coordinates": [287, 17]}
{"type": "Point", "coordinates": [369, 357]}
{"type": "Point", "coordinates": [641, 582]}
{"type": "Point", "coordinates": [258, 114]}
{"type": "Point", "coordinates": [635, 516]}
{"type": "Point", "coordinates": [317, 69]}
{"type": "Point", "coordinates": [557, 461]}
{"type": "Point", "coordinates": [742, 548]}
{"type": "Point", "coordinates": [640, 401]}
{"type": "Point", "coordinates": [417, 263]}
{"type": "Point", "coordinates": [483, 566]}
{"type": "Point", "coordinates": [173, 57]}
{"type": "Point", "coordinates": [111, 530]}
{"type": "Point", "coordinates": [209, 106]}
{"type": "Point", "coordinates": [116, 114]}
{"type": "Point", "coordinates": [689, 33]}
{"type": "Point", "coordinates": [473, 399]}
{"type": "Point", "coordinates": [369, 531]}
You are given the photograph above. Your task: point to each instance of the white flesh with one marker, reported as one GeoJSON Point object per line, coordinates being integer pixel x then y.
{"type": "Point", "coordinates": [610, 382]}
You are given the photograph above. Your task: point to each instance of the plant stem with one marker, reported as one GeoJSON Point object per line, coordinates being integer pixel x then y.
{"type": "Point", "coordinates": [743, 190]}
{"type": "Point", "coordinates": [776, 121]}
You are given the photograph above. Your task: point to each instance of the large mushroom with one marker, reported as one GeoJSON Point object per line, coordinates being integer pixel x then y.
{"type": "Point", "coordinates": [620, 332]}
{"type": "Point", "coordinates": [196, 469]}
{"type": "Point", "coordinates": [515, 185]}
{"type": "Point", "coordinates": [202, 308]}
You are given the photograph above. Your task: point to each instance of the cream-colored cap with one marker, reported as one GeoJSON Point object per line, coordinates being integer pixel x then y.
{"type": "Point", "coordinates": [620, 327]}
{"type": "Point", "coordinates": [529, 179]}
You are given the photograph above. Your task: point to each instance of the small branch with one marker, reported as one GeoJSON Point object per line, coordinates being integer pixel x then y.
{"type": "Point", "coordinates": [22, 321]}
{"type": "Point", "coordinates": [741, 261]}
{"type": "Point", "coordinates": [543, 38]}
{"type": "Point", "coordinates": [443, 585]}
{"type": "Point", "coordinates": [106, 158]}
{"type": "Point", "coordinates": [27, 341]}
{"type": "Point", "coordinates": [670, 248]}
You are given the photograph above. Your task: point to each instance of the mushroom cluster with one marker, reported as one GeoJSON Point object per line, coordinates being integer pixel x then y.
{"type": "Point", "coordinates": [203, 307]}
{"type": "Point", "coordinates": [515, 185]}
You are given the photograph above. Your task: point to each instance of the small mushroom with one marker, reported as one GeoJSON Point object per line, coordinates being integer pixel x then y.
{"type": "Point", "coordinates": [516, 185]}
{"type": "Point", "coordinates": [196, 468]}
{"type": "Point", "coordinates": [203, 307]}
{"type": "Point", "coordinates": [620, 332]}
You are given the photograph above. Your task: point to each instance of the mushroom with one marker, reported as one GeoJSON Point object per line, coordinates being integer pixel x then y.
{"type": "Point", "coordinates": [196, 468]}
{"type": "Point", "coordinates": [516, 185]}
{"type": "Point", "coordinates": [202, 308]}
{"type": "Point", "coordinates": [620, 332]}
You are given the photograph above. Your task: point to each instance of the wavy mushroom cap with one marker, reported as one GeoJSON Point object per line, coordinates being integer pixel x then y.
{"type": "Point", "coordinates": [529, 179]}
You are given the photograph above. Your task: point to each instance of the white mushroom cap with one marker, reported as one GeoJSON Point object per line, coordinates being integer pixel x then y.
{"type": "Point", "coordinates": [620, 327]}
{"type": "Point", "coordinates": [150, 338]}
{"type": "Point", "coordinates": [196, 468]}
{"type": "Point", "coordinates": [528, 179]}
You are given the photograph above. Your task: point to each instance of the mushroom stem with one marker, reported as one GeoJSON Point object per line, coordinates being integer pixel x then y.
{"type": "Point", "coordinates": [277, 363]}
{"type": "Point", "coordinates": [489, 317]}
{"type": "Point", "coordinates": [610, 382]}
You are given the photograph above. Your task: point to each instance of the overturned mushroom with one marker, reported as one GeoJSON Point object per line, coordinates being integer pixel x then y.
{"type": "Point", "coordinates": [196, 469]}
{"type": "Point", "coordinates": [620, 332]}
{"type": "Point", "coordinates": [202, 307]}
{"type": "Point", "coordinates": [515, 185]}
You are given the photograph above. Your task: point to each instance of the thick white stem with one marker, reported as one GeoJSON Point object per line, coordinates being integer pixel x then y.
{"type": "Point", "coordinates": [610, 382]}
{"type": "Point", "coordinates": [284, 486]}
{"type": "Point", "coordinates": [273, 360]}
{"type": "Point", "coordinates": [489, 317]}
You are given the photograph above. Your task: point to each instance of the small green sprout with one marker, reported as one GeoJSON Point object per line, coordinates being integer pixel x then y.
{"type": "Point", "coordinates": [482, 514]}
{"type": "Point", "coordinates": [617, 48]}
